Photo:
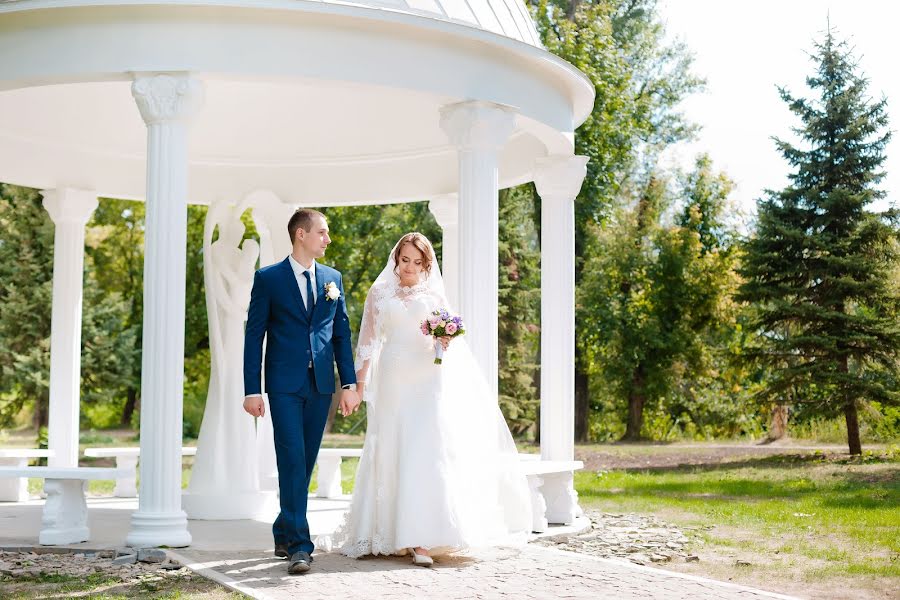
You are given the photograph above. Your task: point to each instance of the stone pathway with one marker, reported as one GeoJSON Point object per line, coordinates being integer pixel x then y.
{"type": "Point", "coordinates": [530, 572]}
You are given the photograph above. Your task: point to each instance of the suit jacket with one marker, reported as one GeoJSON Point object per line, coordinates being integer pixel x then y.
{"type": "Point", "coordinates": [294, 338]}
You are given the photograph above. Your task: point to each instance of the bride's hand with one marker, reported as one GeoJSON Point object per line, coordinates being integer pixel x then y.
{"type": "Point", "coordinates": [445, 341]}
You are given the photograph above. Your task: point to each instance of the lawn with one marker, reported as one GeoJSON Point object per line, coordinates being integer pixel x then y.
{"type": "Point", "coordinates": [814, 524]}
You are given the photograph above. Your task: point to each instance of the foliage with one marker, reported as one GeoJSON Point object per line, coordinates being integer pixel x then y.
{"type": "Point", "coordinates": [114, 241]}
{"type": "Point", "coordinates": [26, 272]}
{"type": "Point", "coordinates": [653, 303]}
{"type": "Point", "coordinates": [26, 287]}
{"type": "Point", "coordinates": [519, 309]}
{"type": "Point", "coordinates": [639, 80]}
{"type": "Point", "coordinates": [819, 268]}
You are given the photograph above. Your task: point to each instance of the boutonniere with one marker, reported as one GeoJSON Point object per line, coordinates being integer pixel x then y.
{"type": "Point", "coordinates": [331, 291]}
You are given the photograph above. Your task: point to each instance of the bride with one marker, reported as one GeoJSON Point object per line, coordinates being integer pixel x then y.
{"type": "Point", "coordinates": [439, 469]}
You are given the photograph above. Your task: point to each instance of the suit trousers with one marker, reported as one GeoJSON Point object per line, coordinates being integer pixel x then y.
{"type": "Point", "coordinates": [299, 423]}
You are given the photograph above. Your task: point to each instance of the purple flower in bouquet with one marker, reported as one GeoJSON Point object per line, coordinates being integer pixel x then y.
{"type": "Point", "coordinates": [442, 324]}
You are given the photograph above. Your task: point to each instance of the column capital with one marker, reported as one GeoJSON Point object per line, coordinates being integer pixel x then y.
{"type": "Point", "coordinates": [166, 97]}
{"type": "Point", "coordinates": [560, 176]}
{"type": "Point", "coordinates": [445, 210]}
{"type": "Point", "coordinates": [69, 205]}
{"type": "Point", "coordinates": [478, 125]}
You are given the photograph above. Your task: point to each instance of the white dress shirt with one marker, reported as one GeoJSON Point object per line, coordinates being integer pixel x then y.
{"type": "Point", "coordinates": [301, 280]}
{"type": "Point", "coordinates": [299, 270]}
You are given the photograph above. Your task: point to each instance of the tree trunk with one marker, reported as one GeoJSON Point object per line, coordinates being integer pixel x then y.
{"type": "Point", "coordinates": [582, 404]}
{"type": "Point", "coordinates": [41, 412]}
{"type": "Point", "coordinates": [130, 404]}
{"type": "Point", "coordinates": [636, 401]}
{"type": "Point", "coordinates": [851, 415]}
{"type": "Point", "coordinates": [778, 422]}
{"type": "Point", "coordinates": [852, 427]}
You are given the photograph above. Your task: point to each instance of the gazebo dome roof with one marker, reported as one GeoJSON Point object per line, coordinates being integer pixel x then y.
{"type": "Point", "coordinates": [505, 17]}
{"type": "Point", "coordinates": [322, 102]}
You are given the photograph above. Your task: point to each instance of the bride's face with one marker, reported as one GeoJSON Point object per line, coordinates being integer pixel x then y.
{"type": "Point", "coordinates": [411, 264]}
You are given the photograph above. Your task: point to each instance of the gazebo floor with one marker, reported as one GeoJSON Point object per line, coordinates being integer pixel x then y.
{"type": "Point", "coordinates": [238, 554]}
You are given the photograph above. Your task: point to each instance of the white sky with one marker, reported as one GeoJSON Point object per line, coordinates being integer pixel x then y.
{"type": "Point", "coordinates": [745, 49]}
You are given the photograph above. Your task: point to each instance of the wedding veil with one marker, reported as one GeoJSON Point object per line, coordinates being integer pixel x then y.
{"type": "Point", "coordinates": [481, 447]}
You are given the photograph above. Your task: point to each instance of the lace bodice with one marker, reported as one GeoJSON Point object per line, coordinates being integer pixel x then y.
{"type": "Point", "coordinates": [393, 314]}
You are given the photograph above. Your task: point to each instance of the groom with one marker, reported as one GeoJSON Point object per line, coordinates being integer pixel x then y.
{"type": "Point", "coordinates": [298, 306]}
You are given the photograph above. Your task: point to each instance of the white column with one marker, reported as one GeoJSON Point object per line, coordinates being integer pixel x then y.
{"type": "Point", "coordinates": [70, 210]}
{"type": "Point", "coordinates": [446, 212]}
{"type": "Point", "coordinates": [479, 130]}
{"type": "Point", "coordinates": [558, 180]}
{"type": "Point", "coordinates": [166, 103]}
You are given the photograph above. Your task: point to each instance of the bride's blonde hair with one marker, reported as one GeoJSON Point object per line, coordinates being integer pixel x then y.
{"type": "Point", "coordinates": [420, 243]}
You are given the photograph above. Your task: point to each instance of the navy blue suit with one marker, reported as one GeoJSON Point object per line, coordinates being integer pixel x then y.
{"type": "Point", "coordinates": [299, 396]}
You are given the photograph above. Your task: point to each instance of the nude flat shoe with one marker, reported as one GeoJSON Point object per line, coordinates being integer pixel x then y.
{"type": "Point", "coordinates": [422, 560]}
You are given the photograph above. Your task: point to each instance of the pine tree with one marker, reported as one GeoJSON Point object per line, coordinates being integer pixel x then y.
{"type": "Point", "coordinates": [26, 290]}
{"type": "Point", "coordinates": [519, 304]}
{"type": "Point", "coordinates": [818, 268]}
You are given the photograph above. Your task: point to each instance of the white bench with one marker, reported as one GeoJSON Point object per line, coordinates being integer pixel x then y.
{"type": "Point", "coordinates": [329, 476]}
{"type": "Point", "coordinates": [553, 497]}
{"type": "Point", "coordinates": [15, 489]}
{"type": "Point", "coordinates": [64, 520]}
{"type": "Point", "coordinates": [127, 460]}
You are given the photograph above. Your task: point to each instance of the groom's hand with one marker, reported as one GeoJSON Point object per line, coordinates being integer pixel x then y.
{"type": "Point", "coordinates": [255, 406]}
{"type": "Point", "coordinates": [348, 403]}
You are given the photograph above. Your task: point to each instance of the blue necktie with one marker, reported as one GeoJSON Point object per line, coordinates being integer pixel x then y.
{"type": "Point", "coordinates": [309, 295]}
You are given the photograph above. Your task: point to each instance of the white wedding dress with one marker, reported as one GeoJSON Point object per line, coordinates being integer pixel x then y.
{"type": "Point", "coordinates": [439, 466]}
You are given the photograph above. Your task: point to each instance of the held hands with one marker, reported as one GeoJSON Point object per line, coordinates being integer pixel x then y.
{"type": "Point", "coordinates": [349, 402]}
{"type": "Point", "coordinates": [255, 406]}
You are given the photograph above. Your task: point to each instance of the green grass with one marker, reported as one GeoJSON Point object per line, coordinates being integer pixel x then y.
{"type": "Point", "coordinates": [808, 518]}
{"type": "Point", "coordinates": [103, 586]}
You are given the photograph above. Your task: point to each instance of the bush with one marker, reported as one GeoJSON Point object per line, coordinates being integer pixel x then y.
{"type": "Point", "coordinates": [196, 386]}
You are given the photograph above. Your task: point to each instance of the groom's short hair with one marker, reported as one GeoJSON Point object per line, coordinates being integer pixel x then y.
{"type": "Point", "coordinates": [302, 217]}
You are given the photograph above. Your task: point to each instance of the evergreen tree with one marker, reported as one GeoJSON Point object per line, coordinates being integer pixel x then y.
{"type": "Point", "coordinates": [519, 306]}
{"type": "Point", "coordinates": [818, 267]}
{"type": "Point", "coordinates": [115, 248]}
{"type": "Point", "coordinates": [26, 273]}
{"type": "Point", "coordinates": [26, 290]}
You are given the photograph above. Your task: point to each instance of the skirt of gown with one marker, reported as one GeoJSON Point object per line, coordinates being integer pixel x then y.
{"type": "Point", "coordinates": [438, 468]}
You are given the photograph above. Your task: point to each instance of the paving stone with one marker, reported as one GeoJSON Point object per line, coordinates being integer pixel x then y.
{"type": "Point", "coordinates": [151, 555]}
{"type": "Point", "coordinates": [504, 573]}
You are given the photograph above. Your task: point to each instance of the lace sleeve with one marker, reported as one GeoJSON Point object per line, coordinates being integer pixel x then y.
{"type": "Point", "coordinates": [370, 334]}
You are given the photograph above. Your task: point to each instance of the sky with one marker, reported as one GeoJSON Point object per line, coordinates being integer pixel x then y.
{"type": "Point", "coordinates": [745, 49]}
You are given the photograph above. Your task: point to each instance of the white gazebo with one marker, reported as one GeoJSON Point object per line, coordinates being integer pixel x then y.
{"type": "Point", "coordinates": [309, 102]}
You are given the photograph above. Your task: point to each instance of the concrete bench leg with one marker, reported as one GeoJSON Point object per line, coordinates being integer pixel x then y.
{"type": "Point", "coordinates": [64, 520]}
{"type": "Point", "coordinates": [329, 478]}
{"type": "Point", "coordinates": [538, 504]}
{"type": "Point", "coordinates": [561, 497]}
{"type": "Point", "coordinates": [14, 489]}
{"type": "Point", "coordinates": [127, 486]}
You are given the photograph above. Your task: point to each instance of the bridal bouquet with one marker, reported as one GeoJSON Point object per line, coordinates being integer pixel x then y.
{"type": "Point", "coordinates": [442, 324]}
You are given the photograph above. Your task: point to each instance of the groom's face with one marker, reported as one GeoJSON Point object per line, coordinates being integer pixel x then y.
{"type": "Point", "coordinates": [316, 240]}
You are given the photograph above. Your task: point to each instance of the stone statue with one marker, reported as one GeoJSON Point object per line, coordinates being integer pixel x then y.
{"type": "Point", "coordinates": [271, 216]}
{"type": "Point", "coordinates": [225, 479]}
